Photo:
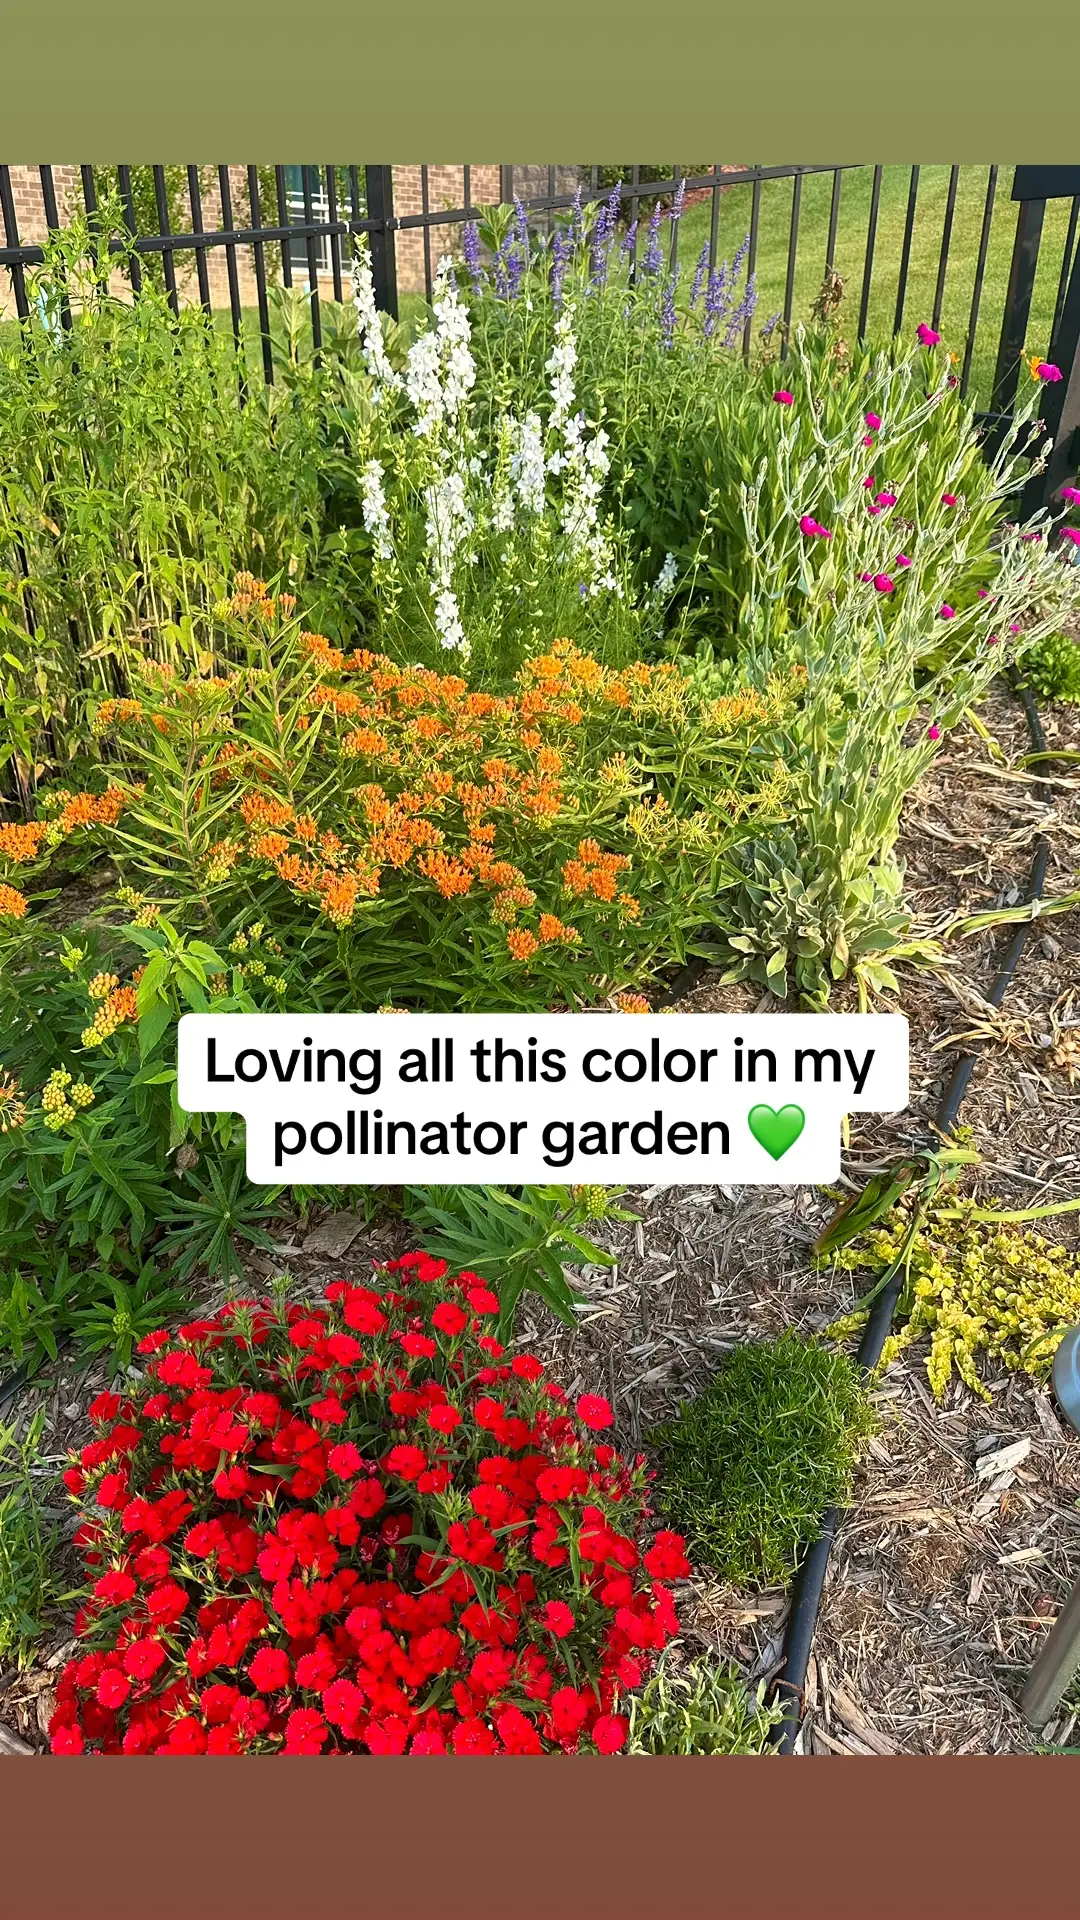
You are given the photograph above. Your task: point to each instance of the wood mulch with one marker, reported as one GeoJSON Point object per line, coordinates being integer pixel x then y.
{"type": "Point", "coordinates": [964, 1533]}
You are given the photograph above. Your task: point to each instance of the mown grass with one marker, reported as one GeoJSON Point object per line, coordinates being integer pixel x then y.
{"type": "Point", "coordinates": [855, 197]}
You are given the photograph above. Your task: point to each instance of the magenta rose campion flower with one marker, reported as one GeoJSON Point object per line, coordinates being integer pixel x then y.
{"type": "Point", "coordinates": [926, 335]}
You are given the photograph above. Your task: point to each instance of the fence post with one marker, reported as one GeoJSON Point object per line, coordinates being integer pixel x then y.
{"type": "Point", "coordinates": [379, 182]}
{"type": "Point", "coordinates": [1014, 325]}
{"type": "Point", "coordinates": [1060, 404]}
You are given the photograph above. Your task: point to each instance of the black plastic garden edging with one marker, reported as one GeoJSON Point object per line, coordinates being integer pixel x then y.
{"type": "Point", "coordinates": [810, 1580]}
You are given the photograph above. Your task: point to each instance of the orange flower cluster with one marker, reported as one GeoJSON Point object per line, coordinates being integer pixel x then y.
{"type": "Point", "coordinates": [252, 597]}
{"type": "Point", "coordinates": [92, 809]}
{"type": "Point", "coordinates": [119, 1007]}
{"type": "Point", "coordinates": [521, 943]}
{"type": "Point", "coordinates": [594, 872]}
{"type": "Point", "coordinates": [19, 843]}
{"type": "Point", "coordinates": [117, 713]}
{"type": "Point", "coordinates": [12, 903]}
{"type": "Point", "coordinates": [553, 929]}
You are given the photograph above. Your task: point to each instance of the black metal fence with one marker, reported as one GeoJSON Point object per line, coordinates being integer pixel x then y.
{"type": "Point", "coordinates": [306, 216]}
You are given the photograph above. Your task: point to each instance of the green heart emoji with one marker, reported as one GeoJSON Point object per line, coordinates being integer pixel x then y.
{"type": "Point", "coordinates": [776, 1132]}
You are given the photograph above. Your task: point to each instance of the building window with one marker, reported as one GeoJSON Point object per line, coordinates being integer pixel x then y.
{"type": "Point", "coordinates": [320, 210]}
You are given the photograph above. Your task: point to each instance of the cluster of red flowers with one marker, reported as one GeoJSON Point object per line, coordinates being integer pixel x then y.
{"type": "Point", "coordinates": [359, 1525]}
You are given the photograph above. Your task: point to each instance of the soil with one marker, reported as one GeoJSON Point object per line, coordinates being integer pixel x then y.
{"type": "Point", "coordinates": [947, 1570]}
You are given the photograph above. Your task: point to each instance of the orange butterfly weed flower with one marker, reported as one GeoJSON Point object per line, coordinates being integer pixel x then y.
{"type": "Point", "coordinates": [449, 876]}
{"type": "Point", "coordinates": [365, 740]}
{"type": "Point", "coordinates": [22, 842]}
{"type": "Point", "coordinates": [339, 894]}
{"type": "Point", "coordinates": [261, 810]}
{"type": "Point", "coordinates": [553, 929]}
{"type": "Point", "coordinates": [12, 903]}
{"type": "Point", "coordinates": [270, 846]}
{"type": "Point", "coordinates": [93, 809]}
{"type": "Point", "coordinates": [521, 943]}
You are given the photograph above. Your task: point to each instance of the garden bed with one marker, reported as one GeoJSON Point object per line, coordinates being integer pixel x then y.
{"type": "Point", "coordinates": [950, 1560]}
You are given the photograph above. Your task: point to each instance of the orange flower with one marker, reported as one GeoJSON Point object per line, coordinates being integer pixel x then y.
{"type": "Point", "coordinates": [549, 761]}
{"type": "Point", "coordinates": [521, 943]}
{"type": "Point", "coordinates": [506, 904]}
{"type": "Point", "coordinates": [319, 649]}
{"type": "Point", "coordinates": [305, 828]}
{"type": "Point", "coordinates": [270, 846]}
{"type": "Point", "coordinates": [594, 871]}
{"type": "Point", "coordinates": [12, 903]}
{"type": "Point", "coordinates": [365, 740]}
{"type": "Point", "coordinates": [449, 876]}
{"type": "Point", "coordinates": [21, 842]}
{"type": "Point", "coordinates": [339, 891]}
{"type": "Point", "coordinates": [260, 810]}
{"type": "Point", "coordinates": [552, 928]}
{"type": "Point", "coordinates": [116, 713]}
{"type": "Point", "coordinates": [632, 1003]}
{"type": "Point", "coordinates": [289, 867]}
{"type": "Point", "coordinates": [93, 809]}
{"type": "Point", "coordinates": [629, 907]}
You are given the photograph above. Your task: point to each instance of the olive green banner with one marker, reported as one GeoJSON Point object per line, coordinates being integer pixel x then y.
{"type": "Point", "coordinates": [410, 80]}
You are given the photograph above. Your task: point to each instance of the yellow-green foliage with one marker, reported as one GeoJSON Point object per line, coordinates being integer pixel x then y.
{"type": "Point", "coordinates": [976, 1287]}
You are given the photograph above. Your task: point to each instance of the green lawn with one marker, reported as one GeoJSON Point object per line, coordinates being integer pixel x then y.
{"type": "Point", "coordinates": [774, 234]}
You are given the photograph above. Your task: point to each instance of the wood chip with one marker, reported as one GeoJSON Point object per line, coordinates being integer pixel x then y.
{"type": "Point", "coordinates": [335, 1234]}
{"type": "Point", "coordinates": [11, 1746]}
{"type": "Point", "coordinates": [990, 1465]}
{"type": "Point", "coordinates": [856, 1722]}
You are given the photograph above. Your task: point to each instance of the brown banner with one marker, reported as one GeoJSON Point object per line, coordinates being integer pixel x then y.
{"type": "Point", "coordinates": [884, 1839]}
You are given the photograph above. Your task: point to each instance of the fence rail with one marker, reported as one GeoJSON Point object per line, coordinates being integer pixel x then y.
{"type": "Point", "coordinates": [315, 211]}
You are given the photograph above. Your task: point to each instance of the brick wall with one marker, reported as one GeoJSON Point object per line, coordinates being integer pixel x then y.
{"type": "Point", "coordinates": [446, 190]}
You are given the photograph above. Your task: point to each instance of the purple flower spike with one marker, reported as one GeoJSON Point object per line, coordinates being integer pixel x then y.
{"type": "Point", "coordinates": [471, 249]}
{"type": "Point", "coordinates": [654, 259]}
{"type": "Point", "coordinates": [699, 275]}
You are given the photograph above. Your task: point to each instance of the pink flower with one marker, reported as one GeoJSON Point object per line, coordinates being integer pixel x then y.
{"type": "Point", "coordinates": [1031, 536]}
{"type": "Point", "coordinates": [947, 612]}
{"type": "Point", "coordinates": [1072, 495]}
{"type": "Point", "coordinates": [901, 560]}
{"type": "Point", "coordinates": [1014, 628]}
{"type": "Point", "coordinates": [992, 640]}
{"type": "Point", "coordinates": [926, 335]}
{"type": "Point", "coordinates": [783, 398]}
{"type": "Point", "coordinates": [1046, 370]}
{"type": "Point", "coordinates": [866, 576]}
{"type": "Point", "coordinates": [933, 733]}
{"type": "Point", "coordinates": [885, 499]}
{"type": "Point", "coordinates": [868, 440]}
{"type": "Point", "coordinates": [983, 593]}
{"type": "Point", "coordinates": [883, 583]}
{"type": "Point", "coordinates": [872, 421]}
{"type": "Point", "coordinates": [948, 500]}
{"type": "Point", "coordinates": [813, 528]}
{"type": "Point", "coordinates": [1071, 533]}
{"type": "Point", "coordinates": [870, 482]}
